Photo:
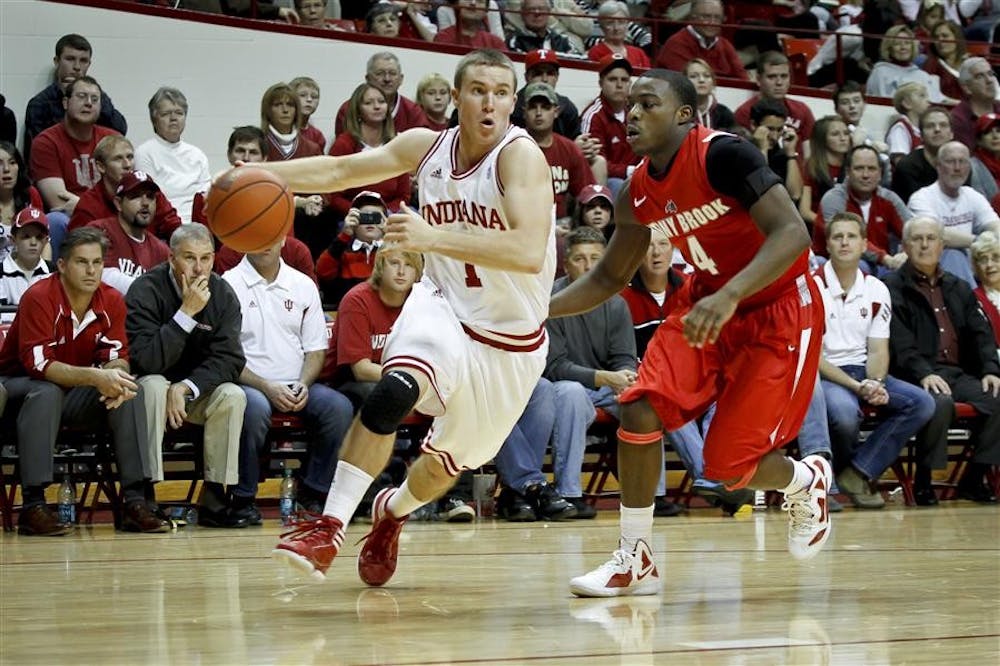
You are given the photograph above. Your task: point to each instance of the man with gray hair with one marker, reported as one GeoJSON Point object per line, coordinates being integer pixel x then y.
{"type": "Point", "coordinates": [979, 92]}
{"type": "Point", "coordinates": [179, 168]}
{"type": "Point", "coordinates": [183, 326]}
{"type": "Point", "coordinates": [536, 33]}
{"type": "Point", "coordinates": [941, 340]}
{"type": "Point", "coordinates": [386, 73]}
{"type": "Point", "coordinates": [964, 212]}
{"type": "Point", "coordinates": [702, 39]}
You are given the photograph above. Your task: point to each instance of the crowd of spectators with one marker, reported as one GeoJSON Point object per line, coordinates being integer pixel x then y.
{"type": "Point", "coordinates": [96, 226]}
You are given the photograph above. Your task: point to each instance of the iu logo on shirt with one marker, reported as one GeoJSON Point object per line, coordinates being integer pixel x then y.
{"type": "Point", "coordinates": [86, 171]}
{"type": "Point", "coordinates": [289, 304]}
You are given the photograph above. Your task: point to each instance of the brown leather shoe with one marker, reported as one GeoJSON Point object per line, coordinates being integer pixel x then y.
{"type": "Point", "coordinates": [138, 518]}
{"type": "Point", "coordinates": [40, 520]}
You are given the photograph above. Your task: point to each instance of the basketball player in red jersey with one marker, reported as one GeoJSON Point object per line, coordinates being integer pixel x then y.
{"type": "Point", "coordinates": [746, 333]}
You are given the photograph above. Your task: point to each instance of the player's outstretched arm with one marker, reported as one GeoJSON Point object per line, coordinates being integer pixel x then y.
{"type": "Point", "coordinates": [625, 252]}
{"type": "Point", "coordinates": [328, 173]}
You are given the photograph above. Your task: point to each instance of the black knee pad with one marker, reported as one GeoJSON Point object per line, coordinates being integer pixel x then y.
{"type": "Point", "coordinates": [389, 402]}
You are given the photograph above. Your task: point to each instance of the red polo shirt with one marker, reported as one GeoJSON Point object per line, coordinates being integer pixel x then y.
{"type": "Point", "coordinates": [43, 331]}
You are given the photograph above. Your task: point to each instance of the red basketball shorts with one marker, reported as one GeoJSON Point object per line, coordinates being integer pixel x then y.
{"type": "Point", "coordinates": [761, 373]}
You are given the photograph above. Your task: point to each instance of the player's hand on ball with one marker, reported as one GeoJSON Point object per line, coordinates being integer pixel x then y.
{"type": "Point", "coordinates": [707, 317]}
{"type": "Point", "coordinates": [406, 230]}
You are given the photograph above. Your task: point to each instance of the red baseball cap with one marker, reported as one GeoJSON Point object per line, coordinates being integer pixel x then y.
{"type": "Point", "coordinates": [612, 60]}
{"type": "Point", "coordinates": [31, 215]}
{"type": "Point", "coordinates": [367, 197]}
{"type": "Point", "coordinates": [540, 57]}
{"type": "Point", "coordinates": [134, 180]}
{"type": "Point", "coordinates": [986, 121]}
{"type": "Point", "coordinates": [591, 192]}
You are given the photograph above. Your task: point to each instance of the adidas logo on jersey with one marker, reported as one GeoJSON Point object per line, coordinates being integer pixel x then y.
{"type": "Point", "coordinates": [436, 173]}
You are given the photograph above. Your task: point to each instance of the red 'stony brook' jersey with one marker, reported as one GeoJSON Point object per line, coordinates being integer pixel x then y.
{"type": "Point", "coordinates": [713, 231]}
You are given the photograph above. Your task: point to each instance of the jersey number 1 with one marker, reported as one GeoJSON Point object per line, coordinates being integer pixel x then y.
{"type": "Point", "coordinates": [471, 279]}
{"type": "Point", "coordinates": [699, 258]}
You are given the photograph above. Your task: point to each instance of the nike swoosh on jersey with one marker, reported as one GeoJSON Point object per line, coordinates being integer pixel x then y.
{"type": "Point", "coordinates": [638, 202]}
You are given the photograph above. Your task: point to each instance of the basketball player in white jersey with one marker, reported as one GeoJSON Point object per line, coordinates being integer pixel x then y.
{"type": "Point", "coordinates": [469, 344]}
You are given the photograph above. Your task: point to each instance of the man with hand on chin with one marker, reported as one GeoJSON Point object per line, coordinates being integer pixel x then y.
{"type": "Point", "coordinates": [184, 323]}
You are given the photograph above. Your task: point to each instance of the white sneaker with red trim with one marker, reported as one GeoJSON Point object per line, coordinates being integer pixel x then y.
{"type": "Point", "coordinates": [808, 512]}
{"type": "Point", "coordinates": [626, 573]}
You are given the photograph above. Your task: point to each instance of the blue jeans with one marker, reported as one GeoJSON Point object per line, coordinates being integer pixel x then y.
{"type": "Point", "coordinates": [58, 224]}
{"type": "Point", "coordinates": [909, 408]}
{"type": "Point", "coordinates": [519, 460]}
{"type": "Point", "coordinates": [575, 410]}
{"type": "Point", "coordinates": [814, 435]}
{"type": "Point", "coordinates": [327, 413]}
{"type": "Point", "coordinates": [689, 443]}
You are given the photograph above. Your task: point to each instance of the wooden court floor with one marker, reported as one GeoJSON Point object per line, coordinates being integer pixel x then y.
{"type": "Point", "coordinates": [900, 586]}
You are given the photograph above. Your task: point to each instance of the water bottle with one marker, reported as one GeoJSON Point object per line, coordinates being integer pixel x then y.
{"type": "Point", "coordinates": [760, 500]}
{"type": "Point", "coordinates": [67, 501]}
{"type": "Point", "coordinates": [286, 498]}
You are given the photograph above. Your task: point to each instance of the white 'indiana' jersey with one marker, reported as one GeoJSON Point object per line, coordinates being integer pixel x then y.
{"type": "Point", "coordinates": [501, 308]}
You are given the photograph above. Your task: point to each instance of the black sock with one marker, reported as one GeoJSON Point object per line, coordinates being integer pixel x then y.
{"type": "Point", "coordinates": [32, 495]}
{"type": "Point", "coordinates": [213, 496]}
{"type": "Point", "coordinates": [974, 475]}
{"type": "Point", "coordinates": [240, 502]}
{"type": "Point", "coordinates": [922, 478]}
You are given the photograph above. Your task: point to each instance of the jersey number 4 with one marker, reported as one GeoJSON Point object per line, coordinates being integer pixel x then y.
{"type": "Point", "coordinates": [471, 279]}
{"type": "Point", "coordinates": [699, 258]}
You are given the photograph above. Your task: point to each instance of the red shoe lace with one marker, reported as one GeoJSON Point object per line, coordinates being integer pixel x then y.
{"type": "Point", "coordinates": [301, 528]}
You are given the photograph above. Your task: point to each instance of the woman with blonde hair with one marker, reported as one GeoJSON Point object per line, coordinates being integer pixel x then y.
{"type": "Point", "coordinates": [368, 124]}
{"type": "Point", "coordinates": [711, 114]}
{"type": "Point", "coordinates": [898, 51]}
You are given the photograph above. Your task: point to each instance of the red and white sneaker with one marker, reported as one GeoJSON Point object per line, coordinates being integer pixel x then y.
{"type": "Point", "coordinates": [377, 559]}
{"type": "Point", "coordinates": [808, 512]}
{"type": "Point", "coordinates": [626, 573]}
{"type": "Point", "coordinates": [311, 546]}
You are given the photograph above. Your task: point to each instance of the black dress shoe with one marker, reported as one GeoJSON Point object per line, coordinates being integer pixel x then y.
{"type": "Point", "coordinates": [548, 505]}
{"type": "Point", "coordinates": [138, 518]}
{"type": "Point", "coordinates": [925, 497]}
{"type": "Point", "coordinates": [249, 511]}
{"type": "Point", "coordinates": [512, 505]}
{"type": "Point", "coordinates": [664, 508]}
{"type": "Point", "coordinates": [977, 493]}
{"type": "Point", "coordinates": [40, 520]}
{"type": "Point", "coordinates": [224, 518]}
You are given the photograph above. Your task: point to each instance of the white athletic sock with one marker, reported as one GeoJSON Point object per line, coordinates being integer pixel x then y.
{"type": "Point", "coordinates": [346, 492]}
{"type": "Point", "coordinates": [802, 476]}
{"type": "Point", "coordinates": [403, 502]}
{"type": "Point", "coordinates": [636, 523]}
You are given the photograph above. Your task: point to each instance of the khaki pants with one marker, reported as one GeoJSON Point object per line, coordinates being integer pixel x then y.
{"type": "Point", "coordinates": [221, 412]}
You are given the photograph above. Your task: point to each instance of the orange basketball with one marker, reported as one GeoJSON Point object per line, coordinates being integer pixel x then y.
{"type": "Point", "coordinates": [249, 209]}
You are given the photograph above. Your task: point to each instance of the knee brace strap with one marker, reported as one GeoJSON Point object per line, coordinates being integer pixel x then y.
{"type": "Point", "coordinates": [389, 402]}
{"type": "Point", "coordinates": [639, 438]}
